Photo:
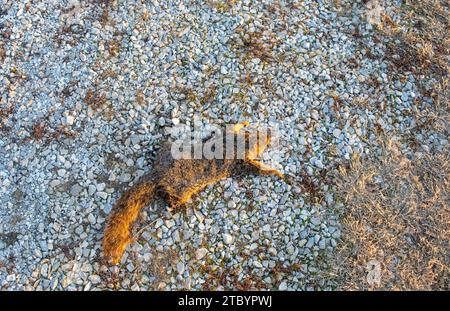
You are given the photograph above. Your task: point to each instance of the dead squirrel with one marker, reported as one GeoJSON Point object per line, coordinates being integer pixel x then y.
{"type": "Point", "coordinates": [178, 180]}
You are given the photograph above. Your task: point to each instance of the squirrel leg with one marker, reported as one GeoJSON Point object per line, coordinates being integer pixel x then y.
{"type": "Point", "coordinates": [176, 203]}
{"type": "Point", "coordinates": [264, 169]}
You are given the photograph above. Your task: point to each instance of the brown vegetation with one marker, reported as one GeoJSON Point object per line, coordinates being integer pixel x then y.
{"type": "Point", "coordinates": [94, 100]}
{"type": "Point", "coordinates": [397, 213]}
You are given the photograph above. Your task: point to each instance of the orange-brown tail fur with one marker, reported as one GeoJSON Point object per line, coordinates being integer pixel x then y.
{"type": "Point", "coordinates": [118, 228]}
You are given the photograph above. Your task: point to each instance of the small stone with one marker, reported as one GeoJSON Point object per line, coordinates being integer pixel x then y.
{"type": "Point", "coordinates": [91, 189]}
{"type": "Point", "coordinates": [336, 234]}
{"type": "Point", "coordinates": [44, 270]}
{"type": "Point", "coordinates": [283, 286]}
{"type": "Point", "coordinates": [336, 133]}
{"type": "Point", "coordinates": [257, 264]}
{"type": "Point", "coordinates": [180, 267]}
{"type": "Point", "coordinates": [101, 186]}
{"type": "Point", "coordinates": [70, 120]}
{"type": "Point", "coordinates": [290, 250]}
{"type": "Point", "coordinates": [272, 251]}
{"type": "Point", "coordinates": [333, 243]}
{"type": "Point", "coordinates": [315, 221]}
{"type": "Point", "coordinates": [75, 190]}
{"type": "Point", "coordinates": [102, 195]}
{"type": "Point", "coordinates": [159, 223]}
{"type": "Point", "coordinates": [227, 239]}
{"type": "Point", "coordinates": [95, 279]}
{"type": "Point", "coordinates": [56, 226]}
{"type": "Point", "coordinates": [176, 236]}
{"type": "Point", "coordinates": [310, 242]}
{"type": "Point", "coordinates": [126, 177]}
{"type": "Point", "coordinates": [135, 139]}
{"type": "Point", "coordinates": [322, 244]}
{"type": "Point", "coordinates": [54, 183]}
{"type": "Point", "coordinates": [169, 223]}
{"type": "Point", "coordinates": [329, 198]}
{"type": "Point", "coordinates": [200, 253]}
{"type": "Point", "coordinates": [91, 219]}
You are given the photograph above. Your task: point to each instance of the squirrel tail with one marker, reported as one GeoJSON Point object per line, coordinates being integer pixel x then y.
{"type": "Point", "coordinates": [117, 233]}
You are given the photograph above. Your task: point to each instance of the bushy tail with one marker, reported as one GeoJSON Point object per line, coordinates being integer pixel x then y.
{"type": "Point", "coordinates": [117, 234]}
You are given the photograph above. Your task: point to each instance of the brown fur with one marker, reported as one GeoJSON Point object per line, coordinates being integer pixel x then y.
{"type": "Point", "coordinates": [177, 181]}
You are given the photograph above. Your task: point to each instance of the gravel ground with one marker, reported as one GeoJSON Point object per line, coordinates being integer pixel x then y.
{"type": "Point", "coordinates": [89, 87]}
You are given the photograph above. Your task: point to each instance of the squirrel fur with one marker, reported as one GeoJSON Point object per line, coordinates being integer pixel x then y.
{"type": "Point", "coordinates": [177, 180]}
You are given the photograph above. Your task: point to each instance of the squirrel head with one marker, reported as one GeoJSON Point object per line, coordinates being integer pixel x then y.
{"type": "Point", "coordinates": [257, 140]}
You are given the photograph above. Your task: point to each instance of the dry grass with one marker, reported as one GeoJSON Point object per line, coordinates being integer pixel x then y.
{"type": "Point", "coordinates": [5, 114]}
{"type": "Point", "coordinates": [258, 44]}
{"type": "Point", "coordinates": [2, 52]}
{"type": "Point", "coordinates": [159, 265]}
{"type": "Point", "coordinates": [396, 209]}
{"type": "Point", "coordinates": [221, 6]}
{"type": "Point", "coordinates": [397, 213]}
{"type": "Point", "coordinates": [42, 131]}
{"type": "Point", "coordinates": [423, 41]}
{"type": "Point", "coordinates": [420, 44]}
{"type": "Point", "coordinates": [94, 99]}
{"type": "Point", "coordinates": [114, 48]}
{"type": "Point", "coordinates": [228, 279]}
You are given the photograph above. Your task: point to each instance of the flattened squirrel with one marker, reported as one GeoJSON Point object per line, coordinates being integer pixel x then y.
{"type": "Point", "coordinates": [177, 180]}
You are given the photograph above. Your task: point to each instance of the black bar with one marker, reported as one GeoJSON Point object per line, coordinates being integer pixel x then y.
{"type": "Point", "coordinates": [220, 300]}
